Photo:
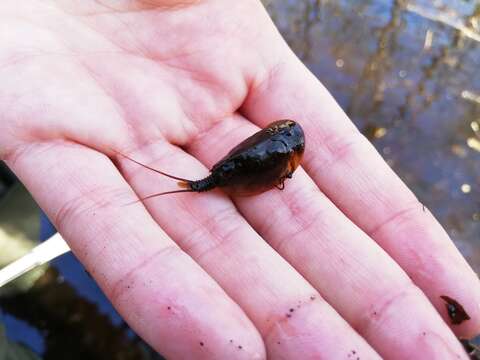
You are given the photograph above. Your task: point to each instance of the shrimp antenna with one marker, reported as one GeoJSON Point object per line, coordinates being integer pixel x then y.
{"type": "Point", "coordinates": [155, 170]}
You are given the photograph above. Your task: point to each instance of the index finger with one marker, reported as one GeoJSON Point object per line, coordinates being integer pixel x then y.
{"type": "Point", "coordinates": [349, 170]}
{"type": "Point", "coordinates": [165, 296]}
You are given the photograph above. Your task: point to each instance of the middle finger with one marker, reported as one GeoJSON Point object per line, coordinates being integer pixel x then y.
{"type": "Point", "coordinates": [292, 318]}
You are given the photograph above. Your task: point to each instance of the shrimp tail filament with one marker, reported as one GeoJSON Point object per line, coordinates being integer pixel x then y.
{"type": "Point", "coordinates": [155, 170]}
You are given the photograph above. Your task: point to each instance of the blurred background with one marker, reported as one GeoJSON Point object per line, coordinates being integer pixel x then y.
{"type": "Point", "coordinates": [406, 72]}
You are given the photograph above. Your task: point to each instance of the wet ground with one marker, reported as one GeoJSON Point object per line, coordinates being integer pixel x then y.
{"type": "Point", "coordinates": [405, 72]}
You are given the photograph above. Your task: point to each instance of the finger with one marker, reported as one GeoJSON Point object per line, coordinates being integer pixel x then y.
{"type": "Point", "coordinates": [160, 291]}
{"type": "Point", "coordinates": [347, 267]}
{"type": "Point", "coordinates": [353, 175]}
{"type": "Point", "coordinates": [293, 320]}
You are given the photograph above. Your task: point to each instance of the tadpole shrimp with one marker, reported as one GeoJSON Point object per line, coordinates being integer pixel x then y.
{"type": "Point", "coordinates": [260, 162]}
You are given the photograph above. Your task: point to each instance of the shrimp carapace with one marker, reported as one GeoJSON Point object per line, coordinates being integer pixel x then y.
{"type": "Point", "coordinates": [260, 162]}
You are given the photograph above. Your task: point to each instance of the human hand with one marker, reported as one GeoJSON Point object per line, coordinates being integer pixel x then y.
{"type": "Point", "coordinates": [298, 273]}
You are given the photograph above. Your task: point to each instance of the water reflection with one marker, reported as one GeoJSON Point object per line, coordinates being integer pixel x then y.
{"type": "Point", "coordinates": [72, 327]}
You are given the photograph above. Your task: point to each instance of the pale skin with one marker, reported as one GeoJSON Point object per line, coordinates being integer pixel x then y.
{"type": "Point", "coordinates": [344, 262]}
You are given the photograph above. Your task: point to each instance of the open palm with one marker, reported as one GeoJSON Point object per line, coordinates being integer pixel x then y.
{"type": "Point", "coordinates": [343, 263]}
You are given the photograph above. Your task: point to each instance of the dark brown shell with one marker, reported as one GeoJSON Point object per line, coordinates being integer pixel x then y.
{"type": "Point", "coordinates": [262, 161]}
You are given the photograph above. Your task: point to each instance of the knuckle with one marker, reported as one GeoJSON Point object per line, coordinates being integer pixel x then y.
{"type": "Point", "coordinates": [218, 230]}
{"type": "Point", "coordinates": [382, 309]}
{"type": "Point", "coordinates": [341, 147]}
{"type": "Point", "coordinates": [95, 200]}
{"type": "Point", "coordinates": [408, 214]}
